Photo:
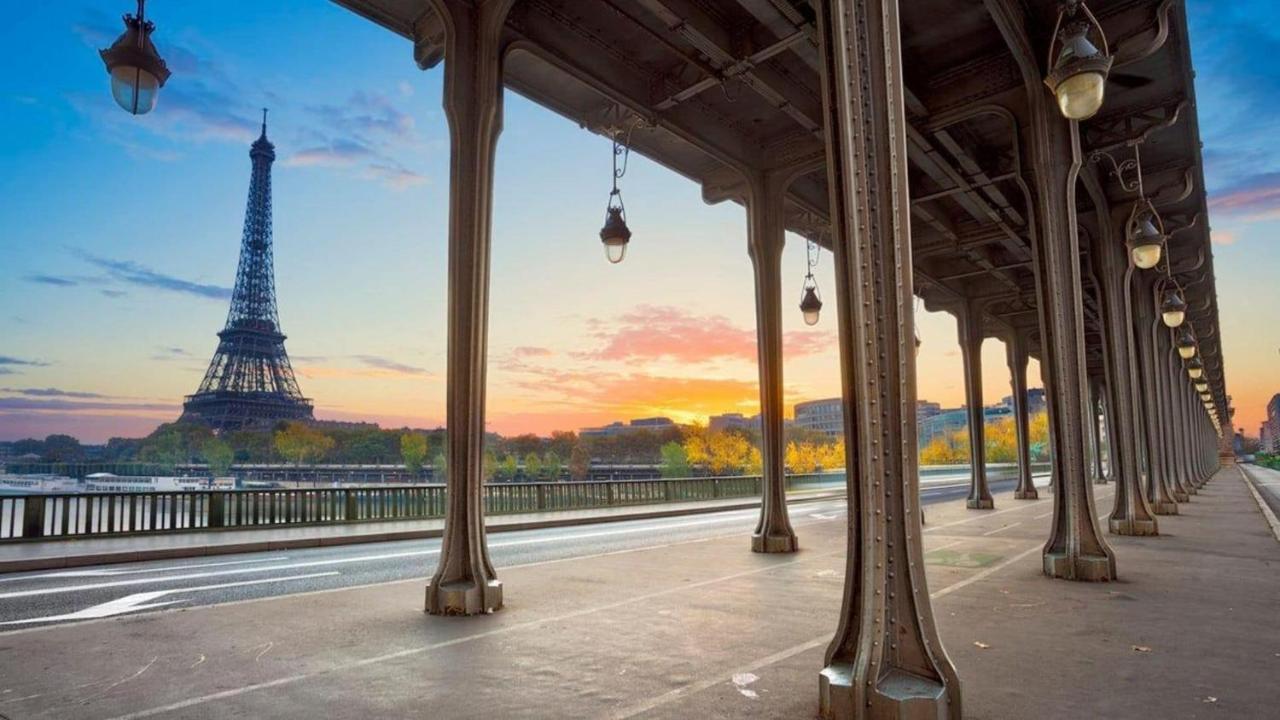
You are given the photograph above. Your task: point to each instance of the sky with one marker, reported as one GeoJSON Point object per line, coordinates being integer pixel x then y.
{"type": "Point", "coordinates": [120, 235]}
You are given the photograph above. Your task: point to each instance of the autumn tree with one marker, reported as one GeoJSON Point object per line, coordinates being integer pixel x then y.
{"type": "Point", "coordinates": [413, 450]}
{"type": "Point", "coordinates": [301, 443]}
{"type": "Point", "coordinates": [552, 466]}
{"type": "Point", "coordinates": [219, 454]}
{"type": "Point", "coordinates": [579, 463]}
{"type": "Point", "coordinates": [532, 467]}
{"type": "Point", "coordinates": [675, 461]}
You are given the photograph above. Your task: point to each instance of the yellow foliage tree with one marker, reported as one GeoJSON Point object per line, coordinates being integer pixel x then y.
{"type": "Point", "coordinates": [300, 443]}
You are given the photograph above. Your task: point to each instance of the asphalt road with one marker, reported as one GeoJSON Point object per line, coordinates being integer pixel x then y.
{"type": "Point", "coordinates": [49, 597]}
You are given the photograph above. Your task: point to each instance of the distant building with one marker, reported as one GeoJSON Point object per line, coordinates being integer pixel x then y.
{"type": "Point", "coordinates": [1035, 400]}
{"type": "Point", "coordinates": [733, 421]}
{"type": "Point", "coordinates": [653, 424]}
{"type": "Point", "coordinates": [824, 416]}
{"type": "Point", "coordinates": [949, 421]}
{"type": "Point", "coordinates": [926, 409]}
{"type": "Point", "coordinates": [1269, 434]}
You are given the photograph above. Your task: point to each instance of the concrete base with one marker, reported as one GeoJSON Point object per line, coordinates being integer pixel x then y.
{"type": "Point", "coordinates": [1102, 480]}
{"type": "Point", "coordinates": [1084, 568]}
{"type": "Point", "coordinates": [774, 543]}
{"type": "Point", "coordinates": [464, 598]}
{"type": "Point", "coordinates": [1181, 496]}
{"type": "Point", "coordinates": [1124, 526]}
{"type": "Point", "coordinates": [1167, 507]}
{"type": "Point", "coordinates": [1030, 494]}
{"type": "Point", "coordinates": [985, 503]}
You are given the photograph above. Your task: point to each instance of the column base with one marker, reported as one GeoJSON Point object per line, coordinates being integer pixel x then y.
{"type": "Point", "coordinates": [1191, 488]}
{"type": "Point", "coordinates": [1030, 494]}
{"type": "Point", "coordinates": [1181, 496]}
{"type": "Point", "coordinates": [1101, 480]}
{"type": "Point", "coordinates": [980, 503]}
{"type": "Point", "coordinates": [1124, 526]}
{"type": "Point", "coordinates": [774, 543]}
{"type": "Point", "coordinates": [898, 695]}
{"type": "Point", "coordinates": [1083, 568]}
{"type": "Point", "coordinates": [1167, 507]}
{"type": "Point", "coordinates": [464, 598]}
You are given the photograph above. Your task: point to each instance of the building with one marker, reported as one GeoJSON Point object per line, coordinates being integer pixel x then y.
{"type": "Point", "coordinates": [1035, 400]}
{"type": "Point", "coordinates": [653, 424]}
{"type": "Point", "coordinates": [733, 421]}
{"type": "Point", "coordinates": [926, 409]}
{"type": "Point", "coordinates": [1269, 433]}
{"type": "Point", "coordinates": [824, 416]}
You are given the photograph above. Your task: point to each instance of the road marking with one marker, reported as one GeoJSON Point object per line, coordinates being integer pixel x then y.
{"type": "Point", "coordinates": [1045, 515]}
{"type": "Point", "coordinates": [112, 572]}
{"type": "Point", "coordinates": [1001, 529]}
{"type": "Point", "coordinates": [142, 601]}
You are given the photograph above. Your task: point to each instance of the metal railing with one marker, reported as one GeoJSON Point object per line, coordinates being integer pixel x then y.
{"type": "Point", "coordinates": [72, 515]}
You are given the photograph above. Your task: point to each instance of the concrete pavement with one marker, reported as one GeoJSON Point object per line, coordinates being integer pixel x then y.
{"type": "Point", "coordinates": [703, 628]}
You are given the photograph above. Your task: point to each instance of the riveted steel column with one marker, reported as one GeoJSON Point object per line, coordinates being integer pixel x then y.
{"type": "Point", "coordinates": [1107, 420]}
{"type": "Point", "coordinates": [969, 320]}
{"type": "Point", "coordinates": [885, 660]}
{"type": "Point", "coordinates": [1174, 442]}
{"type": "Point", "coordinates": [1130, 515]}
{"type": "Point", "coordinates": [465, 582]}
{"type": "Point", "coordinates": [1159, 499]}
{"type": "Point", "coordinates": [766, 236]}
{"type": "Point", "coordinates": [1016, 352]}
{"type": "Point", "coordinates": [1188, 444]}
{"type": "Point", "coordinates": [1095, 429]}
{"type": "Point", "coordinates": [1076, 549]}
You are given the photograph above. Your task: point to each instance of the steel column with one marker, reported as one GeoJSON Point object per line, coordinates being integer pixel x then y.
{"type": "Point", "coordinates": [969, 321]}
{"type": "Point", "coordinates": [1016, 352]}
{"type": "Point", "coordinates": [886, 660]}
{"type": "Point", "coordinates": [465, 582]}
{"type": "Point", "coordinates": [766, 237]}
{"type": "Point", "coordinates": [1076, 549]}
{"type": "Point", "coordinates": [1168, 370]}
{"type": "Point", "coordinates": [1159, 498]}
{"type": "Point", "coordinates": [1095, 430]}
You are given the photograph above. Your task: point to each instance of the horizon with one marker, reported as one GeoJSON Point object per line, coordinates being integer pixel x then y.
{"type": "Point", "coordinates": [124, 233]}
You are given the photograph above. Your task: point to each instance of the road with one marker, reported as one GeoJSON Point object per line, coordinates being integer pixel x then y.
{"type": "Point", "coordinates": [50, 597]}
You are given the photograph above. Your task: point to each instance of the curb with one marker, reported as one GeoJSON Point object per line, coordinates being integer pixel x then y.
{"type": "Point", "coordinates": [127, 556]}
{"type": "Point", "coordinates": [1267, 513]}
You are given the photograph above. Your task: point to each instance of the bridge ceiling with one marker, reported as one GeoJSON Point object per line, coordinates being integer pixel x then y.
{"type": "Point", "coordinates": [711, 89]}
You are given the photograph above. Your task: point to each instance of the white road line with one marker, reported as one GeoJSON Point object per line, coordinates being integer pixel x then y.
{"type": "Point", "coordinates": [1045, 515]}
{"type": "Point", "coordinates": [1001, 529]}
{"type": "Point", "coordinates": [112, 572]}
{"type": "Point", "coordinates": [1267, 515]}
{"type": "Point", "coordinates": [716, 679]}
{"type": "Point", "coordinates": [142, 601]}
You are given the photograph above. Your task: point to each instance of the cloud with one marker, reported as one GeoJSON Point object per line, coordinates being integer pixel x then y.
{"type": "Point", "coordinates": [166, 354]}
{"type": "Point", "coordinates": [51, 280]}
{"type": "Point", "coordinates": [1224, 237]}
{"type": "Point", "coordinates": [113, 293]}
{"type": "Point", "coordinates": [662, 332]}
{"type": "Point", "coordinates": [339, 153]}
{"type": "Point", "coordinates": [53, 392]}
{"type": "Point", "coordinates": [1252, 199]}
{"type": "Point", "coordinates": [394, 175]}
{"type": "Point", "coordinates": [382, 363]}
{"type": "Point", "coordinates": [7, 360]}
{"type": "Point", "coordinates": [15, 404]}
{"type": "Point", "coordinates": [528, 351]}
{"type": "Point", "coordinates": [371, 118]}
{"type": "Point", "coordinates": [135, 274]}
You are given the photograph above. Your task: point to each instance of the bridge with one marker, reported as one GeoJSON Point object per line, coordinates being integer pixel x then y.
{"type": "Point", "coordinates": [1033, 168]}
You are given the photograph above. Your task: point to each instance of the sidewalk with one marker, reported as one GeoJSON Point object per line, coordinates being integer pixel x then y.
{"type": "Point", "coordinates": [707, 630]}
{"type": "Point", "coordinates": [55, 553]}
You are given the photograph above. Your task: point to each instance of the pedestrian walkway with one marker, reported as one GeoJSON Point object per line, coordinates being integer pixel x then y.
{"type": "Point", "coordinates": [707, 630]}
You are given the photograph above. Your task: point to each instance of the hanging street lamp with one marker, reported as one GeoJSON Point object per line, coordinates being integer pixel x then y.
{"type": "Point", "coordinates": [810, 301]}
{"type": "Point", "coordinates": [1173, 309]}
{"type": "Point", "coordinates": [1146, 240]}
{"type": "Point", "coordinates": [1186, 342]}
{"type": "Point", "coordinates": [1202, 385]}
{"type": "Point", "coordinates": [615, 234]}
{"type": "Point", "coordinates": [137, 70]}
{"type": "Point", "coordinates": [1195, 368]}
{"type": "Point", "coordinates": [1078, 77]}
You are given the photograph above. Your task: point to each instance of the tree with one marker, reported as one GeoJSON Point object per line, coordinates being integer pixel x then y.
{"type": "Point", "coordinates": [489, 465]}
{"type": "Point", "coordinates": [301, 443]}
{"type": "Point", "coordinates": [413, 450]}
{"type": "Point", "coordinates": [675, 461]}
{"type": "Point", "coordinates": [62, 448]}
{"type": "Point", "coordinates": [532, 467]}
{"type": "Point", "coordinates": [164, 448]}
{"type": "Point", "coordinates": [510, 466]}
{"type": "Point", "coordinates": [440, 468]}
{"type": "Point", "coordinates": [552, 466]}
{"type": "Point", "coordinates": [219, 455]}
{"type": "Point", "coordinates": [579, 463]}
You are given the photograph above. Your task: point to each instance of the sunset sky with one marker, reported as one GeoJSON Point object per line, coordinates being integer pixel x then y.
{"type": "Point", "coordinates": [121, 234]}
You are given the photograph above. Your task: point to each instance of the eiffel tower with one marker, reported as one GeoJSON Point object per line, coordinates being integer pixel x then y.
{"type": "Point", "coordinates": [250, 383]}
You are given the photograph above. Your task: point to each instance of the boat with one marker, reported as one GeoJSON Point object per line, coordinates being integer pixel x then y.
{"type": "Point", "coordinates": [111, 483]}
{"type": "Point", "coordinates": [37, 484]}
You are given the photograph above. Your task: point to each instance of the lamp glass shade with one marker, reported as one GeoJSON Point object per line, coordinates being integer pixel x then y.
{"type": "Point", "coordinates": [615, 235]}
{"type": "Point", "coordinates": [1195, 373]}
{"type": "Point", "coordinates": [810, 306]}
{"type": "Point", "coordinates": [1173, 318]}
{"type": "Point", "coordinates": [134, 89]}
{"type": "Point", "coordinates": [1080, 96]}
{"type": "Point", "coordinates": [1202, 386]}
{"type": "Point", "coordinates": [1145, 256]}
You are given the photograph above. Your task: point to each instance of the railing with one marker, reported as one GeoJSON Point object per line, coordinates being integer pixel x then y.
{"type": "Point", "coordinates": [70, 515]}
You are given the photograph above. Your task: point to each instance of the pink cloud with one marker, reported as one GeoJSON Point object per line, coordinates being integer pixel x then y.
{"type": "Point", "coordinates": [663, 332]}
{"type": "Point", "coordinates": [1257, 198]}
{"type": "Point", "coordinates": [530, 351]}
{"type": "Point", "coordinates": [1224, 237]}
